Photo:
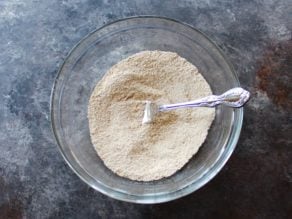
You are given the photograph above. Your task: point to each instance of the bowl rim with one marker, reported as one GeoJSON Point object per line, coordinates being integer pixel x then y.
{"type": "Point", "coordinates": [159, 198]}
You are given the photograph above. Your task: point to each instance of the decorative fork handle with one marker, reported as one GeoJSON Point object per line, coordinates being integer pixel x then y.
{"type": "Point", "coordinates": [235, 97]}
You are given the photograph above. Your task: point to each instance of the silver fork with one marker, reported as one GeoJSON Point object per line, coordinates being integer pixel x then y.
{"type": "Point", "coordinates": [235, 97]}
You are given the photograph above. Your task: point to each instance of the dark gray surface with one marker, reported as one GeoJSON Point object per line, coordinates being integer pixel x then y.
{"type": "Point", "coordinates": [36, 36]}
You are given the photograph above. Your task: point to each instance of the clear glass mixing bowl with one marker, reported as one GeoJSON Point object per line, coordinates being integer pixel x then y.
{"type": "Point", "coordinates": [89, 61]}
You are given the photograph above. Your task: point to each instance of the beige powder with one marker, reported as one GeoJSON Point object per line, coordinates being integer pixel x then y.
{"type": "Point", "coordinates": [150, 151]}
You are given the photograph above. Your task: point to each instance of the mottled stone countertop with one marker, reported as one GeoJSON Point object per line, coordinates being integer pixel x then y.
{"type": "Point", "coordinates": [36, 36]}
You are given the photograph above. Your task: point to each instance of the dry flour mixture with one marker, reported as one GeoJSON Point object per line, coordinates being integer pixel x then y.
{"type": "Point", "coordinates": [149, 151]}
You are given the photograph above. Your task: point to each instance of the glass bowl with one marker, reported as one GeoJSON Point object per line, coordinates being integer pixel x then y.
{"type": "Point", "coordinates": [89, 61]}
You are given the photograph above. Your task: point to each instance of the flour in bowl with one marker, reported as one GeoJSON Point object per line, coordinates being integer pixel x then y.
{"type": "Point", "coordinates": [159, 149]}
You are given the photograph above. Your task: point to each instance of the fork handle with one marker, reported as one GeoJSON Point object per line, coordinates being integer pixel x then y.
{"type": "Point", "coordinates": [235, 97]}
{"type": "Point", "coordinates": [209, 101]}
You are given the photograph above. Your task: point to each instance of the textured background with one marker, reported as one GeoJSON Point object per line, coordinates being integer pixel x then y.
{"type": "Point", "coordinates": [36, 36]}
